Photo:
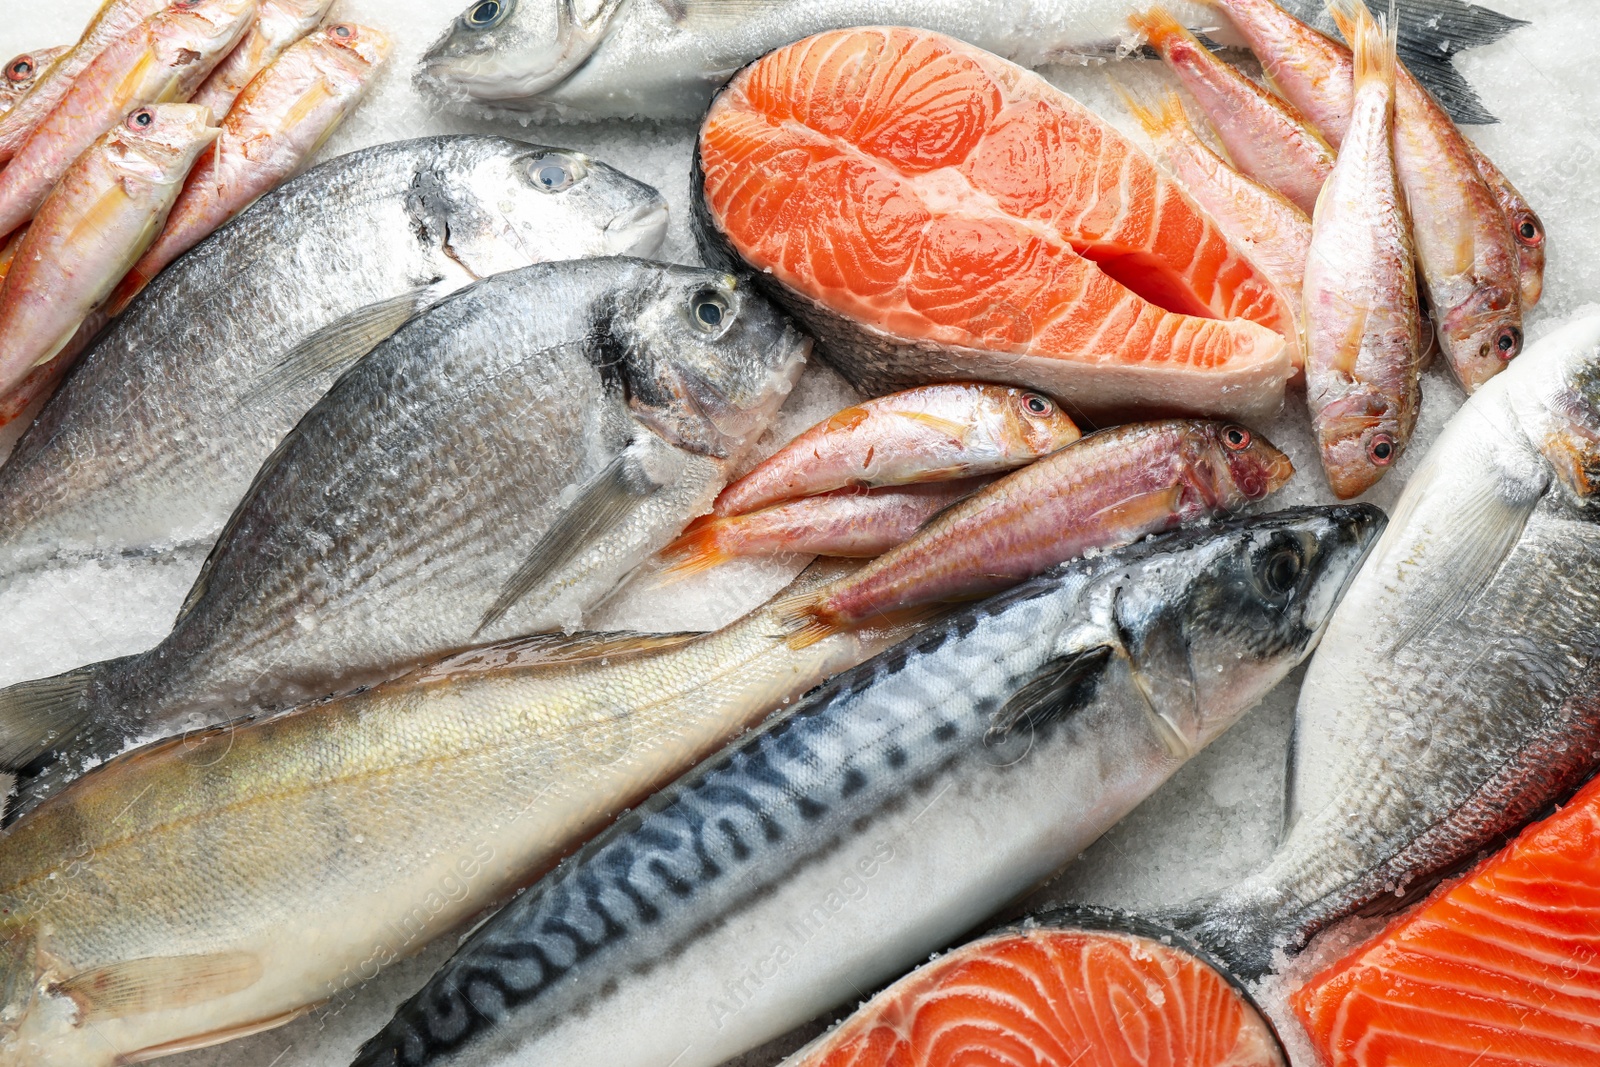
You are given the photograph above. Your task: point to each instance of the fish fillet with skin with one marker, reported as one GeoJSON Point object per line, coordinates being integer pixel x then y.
{"type": "Point", "coordinates": [663, 59]}
{"type": "Point", "coordinates": [494, 468]}
{"type": "Point", "coordinates": [1467, 259]}
{"type": "Point", "coordinates": [933, 212]}
{"type": "Point", "coordinates": [894, 809]}
{"type": "Point", "coordinates": [274, 128]}
{"type": "Point", "coordinates": [1496, 970]}
{"type": "Point", "coordinates": [1084, 989]}
{"type": "Point", "coordinates": [101, 217]}
{"type": "Point", "coordinates": [1108, 489]}
{"type": "Point", "coordinates": [1264, 136]}
{"type": "Point", "coordinates": [517, 752]}
{"type": "Point", "coordinates": [1453, 697]}
{"type": "Point", "coordinates": [1363, 342]}
{"type": "Point", "coordinates": [172, 409]}
{"type": "Point", "coordinates": [279, 24]}
{"type": "Point", "coordinates": [931, 433]}
{"type": "Point", "coordinates": [163, 59]}
{"type": "Point", "coordinates": [24, 71]}
{"type": "Point", "coordinates": [113, 20]}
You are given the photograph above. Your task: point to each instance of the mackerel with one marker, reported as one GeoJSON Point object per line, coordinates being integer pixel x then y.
{"type": "Point", "coordinates": [892, 810]}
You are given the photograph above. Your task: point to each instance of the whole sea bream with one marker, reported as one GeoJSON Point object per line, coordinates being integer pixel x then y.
{"type": "Point", "coordinates": [170, 413]}
{"type": "Point", "coordinates": [897, 806]}
{"type": "Point", "coordinates": [1454, 696]}
{"type": "Point", "coordinates": [493, 469]}
{"type": "Point", "coordinates": [662, 59]}
{"type": "Point", "coordinates": [516, 753]}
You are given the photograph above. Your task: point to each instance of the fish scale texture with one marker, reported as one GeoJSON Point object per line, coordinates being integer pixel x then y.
{"type": "Point", "coordinates": [1497, 970]}
{"type": "Point", "coordinates": [934, 192]}
{"type": "Point", "coordinates": [1044, 996]}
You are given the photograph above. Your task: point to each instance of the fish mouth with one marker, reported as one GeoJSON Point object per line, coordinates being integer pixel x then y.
{"type": "Point", "coordinates": [1366, 523]}
{"type": "Point", "coordinates": [638, 232]}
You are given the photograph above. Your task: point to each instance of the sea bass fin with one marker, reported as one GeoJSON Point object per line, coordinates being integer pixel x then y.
{"type": "Point", "coordinates": [158, 983]}
{"type": "Point", "coordinates": [39, 715]}
{"type": "Point", "coordinates": [1061, 686]}
{"type": "Point", "coordinates": [1482, 534]}
{"type": "Point", "coordinates": [336, 347]}
{"type": "Point", "coordinates": [603, 504]}
{"type": "Point", "coordinates": [542, 650]}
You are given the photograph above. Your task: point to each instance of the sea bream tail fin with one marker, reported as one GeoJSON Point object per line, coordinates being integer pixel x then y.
{"type": "Point", "coordinates": [335, 348]}
{"type": "Point", "coordinates": [39, 716]}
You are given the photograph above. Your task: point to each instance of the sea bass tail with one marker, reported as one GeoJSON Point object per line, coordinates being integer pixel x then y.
{"type": "Point", "coordinates": [39, 716]}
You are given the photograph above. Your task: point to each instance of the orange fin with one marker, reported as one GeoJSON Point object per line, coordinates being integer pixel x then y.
{"type": "Point", "coordinates": [806, 620]}
{"type": "Point", "coordinates": [846, 420]}
{"type": "Point", "coordinates": [159, 983]}
{"type": "Point", "coordinates": [1139, 511]}
{"type": "Point", "coordinates": [699, 549]}
{"type": "Point", "coordinates": [1157, 26]}
{"type": "Point", "coordinates": [948, 427]}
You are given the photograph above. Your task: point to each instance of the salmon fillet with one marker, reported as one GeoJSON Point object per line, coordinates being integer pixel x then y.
{"type": "Point", "coordinates": [933, 211]}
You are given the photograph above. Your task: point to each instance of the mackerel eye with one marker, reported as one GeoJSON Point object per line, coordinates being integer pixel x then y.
{"type": "Point", "coordinates": [1508, 342]}
{"type": "Point", "coordinates": [142, 119]}
{"type": "Point", "coordinates": [1038, 405]}
{"type": "Point", "coordinates": [553, 174]}
{"type": "Point", "coordinates": [709, 310]}
{"type": "Point", "coordinates": [1237, 438]}
{"type": "Point", "coordinates": [1279, 572]}
{"type": "Point", "coordinates": [20, 71]}
{"type": "Point", "coordinates": [1529, 233]}
{"type": "Point", "coordinates": [486, 13]}
{"type": "Point", "coordinates": [1381, 449]}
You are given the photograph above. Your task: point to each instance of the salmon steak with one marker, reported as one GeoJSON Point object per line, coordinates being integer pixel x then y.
{"type": "Point", "coordinates": [1054, 996]}
{"type": "Point", "coordinates": [934, 212]}
{"type": "Point", "coordinates": [1499, 969]}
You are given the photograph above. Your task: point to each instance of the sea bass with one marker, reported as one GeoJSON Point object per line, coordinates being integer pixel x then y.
{"type": "Point", "coordinates": [662, 59]}
{"type": "Point", "coordinates": [517, 753]}
{"type": "Point", "coordinates": [1363, 338]}
{"type": "Point", "coordinates": [279, 24]}
{"type": "Point", "coordinates": [105, 212]}
{"type": "Point", "coordinates": [161, 60]}
{"type": "Point", "coordinates": [23, 72]}
{"type": "Point", "coordinates": [276, 125]}
{"type": "Point", "coordinates": [932, 212]}
{"type": "Point", "coordinates": [495, 468]}
{"type": "Point", "coordinates": [114, 20]}
{"type": "Point", "coordinates": [159, 432]}
{"type": "Point", "coordinates": [890, 811]}
{"type": "Point", "coordinates": [1454, 696]}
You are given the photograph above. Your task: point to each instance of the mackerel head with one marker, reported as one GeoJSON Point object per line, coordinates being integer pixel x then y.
{"type": "Point", "coordinates": [493, 469]}
{"type": "Point", "coordinates": [897, 807]}
{"type": "Point", "coordinates": [1454, 696]}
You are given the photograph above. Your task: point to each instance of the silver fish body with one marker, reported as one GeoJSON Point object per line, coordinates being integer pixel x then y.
{"type": "Point", "coordinates": [158, 432]}
{"type": "Point", "coordinates": [893, 809]}
{"type": "Point", "coordinates": [663, 59]}
{"type": "Point", "coordinates": [493, 469]}
{"type": "Point", "coordinates": [1454, 695]}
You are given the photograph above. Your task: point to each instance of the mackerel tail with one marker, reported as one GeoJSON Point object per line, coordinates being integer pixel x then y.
{"type": "Point", "coordinates": [894, 809]}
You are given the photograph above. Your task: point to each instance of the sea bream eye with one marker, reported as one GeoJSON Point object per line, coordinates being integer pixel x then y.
{"type": "Point", "coordinates": [487, 13]}
{"type": "Point", "coordinates": [553, 173]}
{"type": "Point", "coordinates": [709, 310]}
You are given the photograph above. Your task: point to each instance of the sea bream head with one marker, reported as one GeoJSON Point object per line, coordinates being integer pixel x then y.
{"type": "Point", "coordinates": [707, 361]}
{"type": "Point", "coordinates": [1213, 618]}
{"type": "Point", "coordinates": [495, 204]}
{"type": "Point", "coordinates": [503, 51]}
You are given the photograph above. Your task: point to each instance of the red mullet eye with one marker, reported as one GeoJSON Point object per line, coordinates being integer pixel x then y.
{"type": "Point", "coordinates": [1236, 438]}
{"type": "Point", "coordinates": [141, 119]}
{"type": "Point", "coordinates": [340, 30]}
{"type": "Point", "coordinates": [19, 70]}
{"type": "Point", "coordinates": [1036, 404]}
{"type": "Point", "coordinates": [1509, 342]}
{"type": "Point", "coordinates": [1381, 450]}
{"type": "Point", "coordinates": [1529, 232]}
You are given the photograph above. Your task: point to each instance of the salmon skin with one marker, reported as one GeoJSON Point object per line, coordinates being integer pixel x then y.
{"type": "Point", "coordinates": [610, 424]}
{"type": "Point", "coordinates": [23, 71]}
{"type": "Point", "coordinates": [1110, 488]}
{"type": "Point", "coordinates": [895, 808]}
{"type": "Point", "coordinates": [966, 220]}
{"type": "Point", "coordinates": [278, 25]}
{"type": "Point", "coordinates": [518, 751]}
{"type": "Point", "coordinates": [1084, 987]}
{"type": "Point", "coordinates": [1453, 697]}
{"type": "Point", "coordinates": [854, 523]}
{"type": "Point", "coordinates": [931, 433]}
{"type": "Point", "coordinates": [278, 122]}
{"type": "Point", "coordinates": [663, 59]}
{"type": "Point", "coordinates": [1495, 970]}
{"type": "Point", "coordinates": [350, 250]}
